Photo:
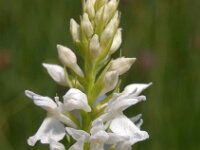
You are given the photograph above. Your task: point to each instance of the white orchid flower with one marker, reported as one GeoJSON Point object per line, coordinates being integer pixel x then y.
{"type": "Point", "coordinates": [75, 99]}
{"type": "Point", "coordinates": [123, 126]}
{"type": "Point", "coordinates": [118, 103]}
{"type": "Point", "coordinates": [51, 128]}
{"type": "Point", "coordinates": [97, 123]}
{"type": "Point", "coordinates": [97, 138]}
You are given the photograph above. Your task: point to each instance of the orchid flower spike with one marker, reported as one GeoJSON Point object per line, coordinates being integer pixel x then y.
{"type": "Point", "coordinates": [90, 114]}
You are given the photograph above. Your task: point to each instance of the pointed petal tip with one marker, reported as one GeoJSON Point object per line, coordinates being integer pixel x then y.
{"type": "Point", "coordinates": [29, 94]}
{"type": "Point", "coordinates": [132, 60]}
{"type": "Point", "coordinates": [58, 46]}
{"type": "Point", "coordinates": [45, 65]}
{"type": "Point", "coordinates": [142, 98]}
{"type": "Point", "coordinates": [88, 109]}
{"type": "Point", "coordinates": [146, 135]}
{"type": "Point", "coordinates": [151, 83]}
{"type": "Point", "coordinates": [61, 48]}
{"type": "Point", "coordinates": [31, 141]}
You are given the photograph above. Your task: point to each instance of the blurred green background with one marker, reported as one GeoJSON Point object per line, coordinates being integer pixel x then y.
{"type": "Point", "coordinates": [164, 36]}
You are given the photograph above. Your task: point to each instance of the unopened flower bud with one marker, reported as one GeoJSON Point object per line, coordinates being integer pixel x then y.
{"type": "Point", "coordinates": [98, 15]}
{"type": "Point", "coordinates": [94, 46]}
{"type": "Point", "coordinates": [109, 9]}
{"type": "Point", "coordinates": [75, 99]}
{"type": "Point", "coordinates": [100, 3]}
{"type": "Point", "coordinates": [68, 58]}
{"type": "Point", "coordinates": [56, 72]}
{"type": "Point", "coordinates": [110, 81]}
{"type": "Point", "coordinates": [75, 30]}
{"type": "Point", "coordinates": [89, 8]}
{"type": "Point", "coordinates": [112, 5]}
{"type": "Point", "coordinates": [121, 65]}
{"type": "Point", "coordinates": [116, 41]}
{"type": "Point", "coordinates": [87, 26]}
{"type": "Point", "coordinates": [108, 32]}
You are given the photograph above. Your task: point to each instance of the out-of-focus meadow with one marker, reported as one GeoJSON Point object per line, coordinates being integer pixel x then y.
{"type": "Point", "coordinates": [164, 36]}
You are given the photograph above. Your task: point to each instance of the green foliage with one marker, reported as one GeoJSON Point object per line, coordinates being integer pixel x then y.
{"type": "Point", "coordinates": [164, 36]}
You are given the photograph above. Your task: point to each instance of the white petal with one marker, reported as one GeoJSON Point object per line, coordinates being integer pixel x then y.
{"type": "Point", "coordinates": [136, 89]}
{"type": "Point", "coordinates": [97, 126]}
{"type": "Point", "coordinates": [123, 146]}
{"type": "Point", "coordinates": [75, 99]}
{"type": "Point", "coordinates": [122, 105]}
{"type": "Point", "coordinates": [57, 73]}
{"type": "Point", "coordinates": [54, 145]}
{"type": "Point", "coordinates": [104, 117]}
{"type": "Point", "coordinates": [99, 136]}
{"type": "Point", "coordinates": [122, 126]}
{"type": "Point", "coordinates": [45, 102]}
{"type": "Point", "coordinates": [139, 124]}
{"type": "Point", "coordinates": [80, 136]}
{"type": "Point", "coordinates": [64, 119]}
{"type": "Point", "coordinates": [50, 129]}
{"type": "Point", "coordinates": [77, 134]}
{"type": "Point", "coordinates": [136, 118]}
{"type": "Point", "coordinates": [115, 138]}
{"type": "Point", "coordinates": [77, 146]}
{"type": "Point", "coordinates": [98, 140]}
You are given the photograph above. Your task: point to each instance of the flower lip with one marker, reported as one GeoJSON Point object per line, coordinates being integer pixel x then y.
{"type": "Point", "coordinates": [50, 128]}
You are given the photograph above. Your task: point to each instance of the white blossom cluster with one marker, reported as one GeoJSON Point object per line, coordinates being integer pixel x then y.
{"type": "Point", "coordinates": [90, 115]}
